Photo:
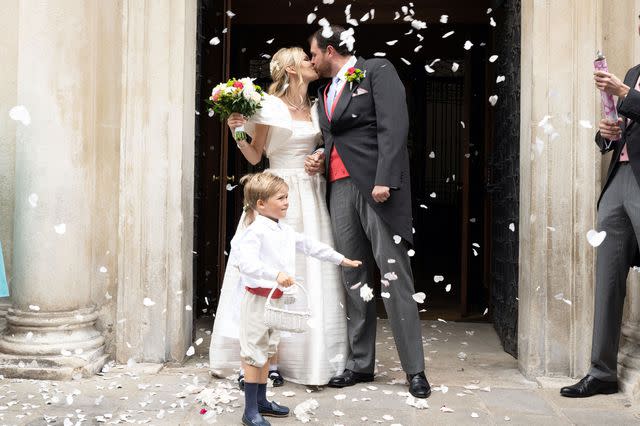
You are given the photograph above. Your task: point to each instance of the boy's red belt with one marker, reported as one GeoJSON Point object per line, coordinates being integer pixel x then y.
{"type": "Point", "coordinates": [264, 292]}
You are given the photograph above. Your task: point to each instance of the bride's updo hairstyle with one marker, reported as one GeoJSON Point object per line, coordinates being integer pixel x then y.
{"type": "Point", "coordinates": [283, 58]}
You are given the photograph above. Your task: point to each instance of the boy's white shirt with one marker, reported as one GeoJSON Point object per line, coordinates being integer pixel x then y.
{"type": "Point", "coordinates": [267, 247]}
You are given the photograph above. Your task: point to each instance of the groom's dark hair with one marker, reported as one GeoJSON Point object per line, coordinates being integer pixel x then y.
{"type": "Point", "coordinates": [334, 40]}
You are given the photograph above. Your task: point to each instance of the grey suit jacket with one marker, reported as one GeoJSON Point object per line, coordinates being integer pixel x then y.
{"type": "Point", "coordinates": [369, 128]}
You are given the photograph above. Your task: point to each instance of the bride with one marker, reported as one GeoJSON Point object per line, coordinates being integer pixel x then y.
{"type": "Point", "coordinates": [286, 131]}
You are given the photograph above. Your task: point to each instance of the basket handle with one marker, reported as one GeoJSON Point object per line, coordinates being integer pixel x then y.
{"type": "Point", "coordinates": [278, 286]}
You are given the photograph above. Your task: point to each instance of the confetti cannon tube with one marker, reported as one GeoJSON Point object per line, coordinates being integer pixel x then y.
{"type": "Point", "coordinates": [608, 104]}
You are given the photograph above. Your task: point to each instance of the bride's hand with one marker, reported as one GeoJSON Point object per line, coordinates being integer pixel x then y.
{"type": "Point", "coordinates": [235, 120]}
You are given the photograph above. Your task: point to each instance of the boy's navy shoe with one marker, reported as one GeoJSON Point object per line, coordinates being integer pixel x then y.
{"type": "Point", "coordinates": [257, 420]}
{"type": "Point", "coordinates": [273, 410]}
{"type": "Point", "coordinates": [277, 378]}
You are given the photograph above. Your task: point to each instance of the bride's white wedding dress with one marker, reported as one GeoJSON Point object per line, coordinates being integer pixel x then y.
{"type": "Point", "coordinates": [310, 358]}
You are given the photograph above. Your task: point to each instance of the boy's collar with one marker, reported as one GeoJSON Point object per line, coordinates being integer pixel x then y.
{"type": "Point", "coordinates": [270, 222]}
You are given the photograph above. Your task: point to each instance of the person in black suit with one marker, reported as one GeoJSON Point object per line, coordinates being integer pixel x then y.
{"type": "Point", "coordinates": [619, 216]}
{"type": "Point", "coordinates": [365, 124]}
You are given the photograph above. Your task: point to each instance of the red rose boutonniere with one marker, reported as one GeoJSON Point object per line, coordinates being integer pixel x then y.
{"type": "Point", "coordinates": [354, 75]}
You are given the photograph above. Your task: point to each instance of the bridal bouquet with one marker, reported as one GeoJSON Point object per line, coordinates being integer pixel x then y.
{"type": "Point", "coordinates": [241, 96]}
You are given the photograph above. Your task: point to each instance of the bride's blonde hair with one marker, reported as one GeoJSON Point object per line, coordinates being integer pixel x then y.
{"type": "Point", "coordinates": [283, 58]}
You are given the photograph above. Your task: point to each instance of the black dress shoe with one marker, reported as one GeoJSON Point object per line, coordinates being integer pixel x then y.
{"type": "Point", "coordinates": [273, 410]}
{"type": "Point", "coordinates": [418, 385]}
{"type": "Point", "coordinates": [589, 386]}
{"type": "Point", "coordinates": [241, 382]}
{"type": "Point", "coordinates": [349, 378]}
{"type": "Point", "coordinates": [257, 420]}
{"type": "Point", "coordinates": [277, 378]}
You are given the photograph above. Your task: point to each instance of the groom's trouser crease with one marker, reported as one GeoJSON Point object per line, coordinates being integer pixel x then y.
{"type": "Point", "coordinates": [619, 216]}
{"type": "Point", "coordinates": [361, 234]}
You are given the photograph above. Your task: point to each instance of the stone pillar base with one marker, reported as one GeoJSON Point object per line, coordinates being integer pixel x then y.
{"type": "Point", "coordinates": [629, 361]}
{"type": "Point", "coordinates": [53, 367]}
{"type": "Point", "coordinates": [51, 345]}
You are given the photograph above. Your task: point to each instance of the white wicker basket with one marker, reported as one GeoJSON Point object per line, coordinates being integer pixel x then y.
{"type": "Point", "coordinates": [284, 319]}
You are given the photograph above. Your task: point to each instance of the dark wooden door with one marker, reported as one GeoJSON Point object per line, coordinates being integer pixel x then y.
{"type": "Point", "coordinates": [211, 157]}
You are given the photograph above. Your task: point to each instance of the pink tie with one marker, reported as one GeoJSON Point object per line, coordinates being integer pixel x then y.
{"type": "Point", "coordinates": [624, 156]}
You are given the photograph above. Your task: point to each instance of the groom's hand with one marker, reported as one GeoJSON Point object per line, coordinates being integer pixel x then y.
{"type": "Point", "coordinates": [380, 193]}
{"type": "Point", "coordinates": [314, 163]}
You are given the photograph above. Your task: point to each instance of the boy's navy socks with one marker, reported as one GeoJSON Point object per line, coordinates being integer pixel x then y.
{"type": "Point", "coordinates": [262, 396]}
{"type": "Point", "coordinates": [250, 400]}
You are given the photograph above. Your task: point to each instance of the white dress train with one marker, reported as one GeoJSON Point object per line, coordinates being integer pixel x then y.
{"type": "Point", "coordinates": [310, 358]}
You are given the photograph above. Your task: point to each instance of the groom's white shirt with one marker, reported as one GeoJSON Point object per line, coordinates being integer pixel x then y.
{"type": "Point", "coordinates": [339, 81]}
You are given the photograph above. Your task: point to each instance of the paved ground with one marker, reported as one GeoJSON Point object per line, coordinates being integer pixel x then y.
{"type": "Point", "coordinates": [476, 383]}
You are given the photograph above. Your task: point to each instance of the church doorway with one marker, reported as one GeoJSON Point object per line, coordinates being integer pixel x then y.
{"type": "Point", "coordinates": [451, 138]}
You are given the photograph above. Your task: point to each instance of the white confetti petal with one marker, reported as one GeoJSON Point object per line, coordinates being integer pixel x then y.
{"type": "Point", "coordinates": [20, 113]}
{"type": "Point", "coordinates": [446, 409]}
{"type": "Point", "coordinates": [33, 200]}
{"type": "Point", "coordinates": [512, 227]}
{"type": "Point", "coordinates": [230, 14]}
{"type": "Point", "coordinates": [405, 61]}
{"type": "Point", "coordinates": [366, 293]}
{"type": "Point", "coordinates": [311, 17]}
{"type": "Point", "coordinates": [596, 238]}
{"type": "Point", "coordinates": [419, 297]}
{"type": "Point", "coordinates": [438, 278]}
{"type": "Point", "coordinates": [468, 45]}
{"type": "Point", "coordinates": [448, 34]}
{"type": "Point", "coordinates": [34, 307]}
{"type": "Point", "coordinates": [447, 288]}
{"type": "Point", "coordinates": [444, 19]}
{"type": "Point", "coordinates": [500, 79]}
{"type": "Point", "coordinates": [199, 341]}
{"type": "Point", "coordinates": [474, 415]}
{"type": "Point", "coordinates": [493, 58]}
{"type": "Point", "coordinates": [422, 206]}
{"type": "Point", "coordinates": [492, 22]}
{"type": "Point", "coordinates": [432, 155]}
{"type": "Point", "coordinates": [385, 295]}
{"type": "Point", "coordinates": [214, 41]}
{"type": "Point", "coordinates": [397, 239]}
{"type": "Point", "coordinates": [429, 69]}
{"type": "Point", "coordinates": [391, 276]}
{"type": "Point", "coordinates": [356, 285]}
{"type": "Point", "coordinates": [411, 253]}
{"type": "Point", "coordinates": [191, 351]}
{"type": "Point", "coordinates": [387, 417]}
{"type": "Point", "coordinates": [493, 99]}
{"type": "Point", "coordinates": [432, 195]}
{"type": "Point", "coordinates": [103, 269]}
{"type": "Point", "coordinates": [340, 397]}
{"type": "Point", "coordinates": [391, 261]}
{"type": "Point", "coordinates": [586, 124]}
{"type": "Point", "coordinates": [288, 393]}
{"type": "Point", "coordinates": [379, 54]}
{"type": "Point", "coordinates": [60, 228]}
{"type": "Point", "coordinates": [455, 66]}
{"type": "Point", "coordinates": [270, 41]}
{"type": "Point", "coordinates": [148, 302]}
{"type": "Point", "coordinates": [338, 413]}
{"type": "Point", "coordinates": [392, 42]}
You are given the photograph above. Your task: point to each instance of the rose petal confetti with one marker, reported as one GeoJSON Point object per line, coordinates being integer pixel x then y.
{"type": "Point", "coordinates": [448, 34]}
{"type": "Point", "coordinates": [419, 297]}
{"type": "Point", "coordinates": [60, 228]}
{"type": "Point", "coordinates": [438, 278]}
{"type": "Point", "coordinates": [391, 276]}
{"type": "Point", "coordinates": [310, 18]}
{"type": "Point", "coordinates": [411, 253]}
{"type": "Point", "coordinates": [34, 307]}
{"type": "Point", "coordinates": [596, 238]}
{"type": "Point", "coordinates": [21, 114]}
{"type": "Point", "coordinates": [356, 285]}
{"type": "Point", "coordinates": [397, 239]}
{"type": "Point", "coordinates": [288, 394]}
{"type": "Point", "coordinates": [385, 295]}
{"type": "Point", "coordinates": [191, 351]}
{"type": "Point", "coordinates": [493, 58]}
{"type": "Point", "coordinates": [214, 41]}
{"type": "Point", "coordinates": [392, 42]}
{"type": "Point", "coordinates": [586, 124]}
{"type": "Point", "coordinates": [446, 409]}
{"type": "Point", "coordinates": [468, 45]}
{"type": "Point", "coordinates": [366, 293]}
{"type": "Point", "coordinates": [444, 19]}
{"type": "Point", "coordinates": [455, 66]}
{"type": "Point", "coordinates": [493, 99]}
{"type": "Point", "coordinates": [33, 200]}
{"type": "Point", "coordinates": [148, 302]}
{"type": "Point", "coordinates": [447, 288]}
{"type": "Point", "coordinates": [512, 227]}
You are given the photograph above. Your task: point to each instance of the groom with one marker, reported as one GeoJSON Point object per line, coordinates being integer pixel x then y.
{"type": "Point", "coordinates": [364, 121]}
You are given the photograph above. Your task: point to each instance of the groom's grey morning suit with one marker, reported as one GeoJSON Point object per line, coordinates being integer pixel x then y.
{"type": "Point", "coordinates": [619, 216]}
{"type": "Point", "coordinates": [368, 127]}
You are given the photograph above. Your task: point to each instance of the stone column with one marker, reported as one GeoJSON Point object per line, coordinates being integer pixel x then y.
{"type": "Point", "coordinates": [559, 185]}
{"type": "Point", "coordinates": [8, 93]}
{"type": "Point", "coordinates": [156, 181]}
{"type": "Point", "coordinates": [51, 331]}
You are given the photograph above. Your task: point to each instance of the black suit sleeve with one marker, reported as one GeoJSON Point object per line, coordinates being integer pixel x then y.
{"type": "Point", "coordinates": [392, 122]}
{"type": "Point", "coordinates": [604, 144]}
{"type": "Point", "coordinates": [629, 107]}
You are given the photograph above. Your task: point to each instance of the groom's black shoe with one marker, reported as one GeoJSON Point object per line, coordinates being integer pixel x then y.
{"type": "Point", "coordinates": [418, 385]}
{"type": "Point", "coordinates": [589, 386]}
{"type": "Point", "coordinates": [349, 378]}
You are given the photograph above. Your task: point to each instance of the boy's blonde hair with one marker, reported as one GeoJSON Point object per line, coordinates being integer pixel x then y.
{"type": "Point", "coordinates": [259, 186]}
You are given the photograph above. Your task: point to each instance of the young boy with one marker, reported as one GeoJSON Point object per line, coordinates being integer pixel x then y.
{"type": "Point", "coordinates": [265, 255]}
